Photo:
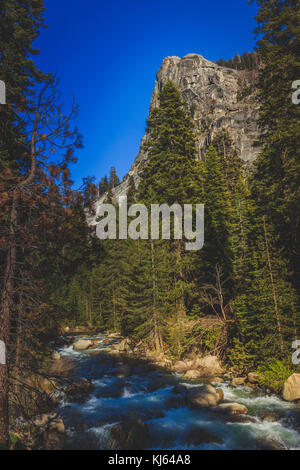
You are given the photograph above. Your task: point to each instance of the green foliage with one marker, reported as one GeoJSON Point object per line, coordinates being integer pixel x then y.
{"type": "Point", "coordinates": [276, 179]}
{"type": "Point", "coordinates": [167, 176]}
{"type": "Point", "coordinates": [247, 61]}
{"type": "Point", "coordinates": [113, 178]}
{"type": "Point", "coordinates": [217, 248]}
{"type": "Point", "coordinates": [241, 361]}
{"type": "Point", "coordinates": [275, 373]}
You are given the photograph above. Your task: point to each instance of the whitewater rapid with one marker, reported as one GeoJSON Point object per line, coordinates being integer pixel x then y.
{"type": "Point", "coordinates": [147, 393]}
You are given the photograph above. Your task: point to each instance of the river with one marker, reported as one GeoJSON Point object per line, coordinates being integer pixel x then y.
{"type": "Point", "coordinates": [146, 392]}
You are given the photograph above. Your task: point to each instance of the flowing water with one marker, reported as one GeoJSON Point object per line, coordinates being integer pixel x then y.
{"type": "Point", "coordinates": [146, 393]}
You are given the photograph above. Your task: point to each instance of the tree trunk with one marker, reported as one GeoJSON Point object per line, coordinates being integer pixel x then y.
{"type": "Point", "coordinates": [157, 333]}
{"type": "Point", "coordinates": [181, 313]}
{"type": "Point", "coordinates": [6, 305]}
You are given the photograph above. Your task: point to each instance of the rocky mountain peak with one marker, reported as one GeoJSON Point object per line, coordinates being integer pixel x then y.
{"type": "Point", "coordinates": [216, 97]}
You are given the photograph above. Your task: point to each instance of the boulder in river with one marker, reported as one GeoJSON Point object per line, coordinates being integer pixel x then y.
{"type": "Point", "coordinates": [253, 378]}
{"type": "Point", "coordinates": [217, 380]}
{"type": "Point", "coordinates": [202, 396]}
{"type": "Point", "coordinates": [182, 366]}
{"type": "Point", "coordinates": [210, 366]}
{"type": "Point", "coordinates": [271, 444]}
{"type": "Point", "coordinates": [80, 390]}
{"type": "Point", "coordinates": [207, 366]}
{"type": "Point", "coordinates": [193, 374]}
{"type": "Point", "coordinates": [82, 344]}
{"type": "Point", "coordinates": [179, 389]}
{"type": "Point", "coordinates": [220, 394]}
{"type": "Point", "coordinates": [114, 335]}
{"type": "Point", "coordinates": [130, 434]}
{"type": "Point", "coordinates": [236, 381]}
{"type": "Point", "coordinates": [232, 408]}
{"type": "Point", "coordinates": [200, 436]}
{"type": "Point", "coordinates": [291, 388]}
{"type": "Point", "coordinates": [124, 346]}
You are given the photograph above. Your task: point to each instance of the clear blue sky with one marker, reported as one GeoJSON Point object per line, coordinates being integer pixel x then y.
{"type": "Point", "coordinates": [107, 55]}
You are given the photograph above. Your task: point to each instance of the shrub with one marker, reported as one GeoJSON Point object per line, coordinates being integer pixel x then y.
{"type": "Point", "coordinates": [275, 373]}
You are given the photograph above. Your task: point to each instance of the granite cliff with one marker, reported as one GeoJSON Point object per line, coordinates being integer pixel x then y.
{"type": "Point", "coordinates": [215, 99]}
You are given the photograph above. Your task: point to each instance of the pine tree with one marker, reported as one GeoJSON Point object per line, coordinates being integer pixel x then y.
{"type": "Point", "coordinates": [113, 178]}
{"type": "Point", "coordinates": [131, 192]}
{"type": "Point", "coordinates": [276, 181]}
{"type": "Point", "coordinates": [231, 162]}
{"type": "Point", "coordinates": [217, 250]}
{"type": "Point", "coordinates": [103, 185]}
{"type": "Point", "coordinates": [268, 311]}
{"type": "Point", "coordinates": [168, 174]}
{"type": "Point", "coordinates": [158, 282]}
{"type": "Point", "coordinates": [20, 24]}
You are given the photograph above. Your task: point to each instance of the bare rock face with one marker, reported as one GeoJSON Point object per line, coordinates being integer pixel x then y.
{"type": "Point", "coordinates": [291, 388]}
{"type": "Point", "coordinates": [212, 95]}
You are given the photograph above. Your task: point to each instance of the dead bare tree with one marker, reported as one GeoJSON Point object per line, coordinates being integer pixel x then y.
{"type": "Point", "coordinates": [214, 295]}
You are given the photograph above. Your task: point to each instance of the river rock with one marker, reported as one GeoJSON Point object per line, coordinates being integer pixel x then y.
{"type": "Point", "coordinates": [210, 366]}
{"type": "Point", "coordinates": [269, 418]}
{"type": "Point", "coordinates": [236, 381]}
{"type": "Point", "coordinates": [56, 356]}
{"type": "Point", "coordinates": [200, 436]}
{"type": "Point", "coordinates": [271, 444]}
{"type": "Point", "coordinates": [228, 375]}
{"type": "Point", "coordinates": [131, 434]}
{"type": "Point", "coordinates": [253, 378]}
{"type": "Point", "coordinates": [123, 346]}
{"type": "Point", "coordinates": [220, 394]}
{"type": "Point", "coordinates": [193, 374]}
{"type": "Point", "coordinates": [123, 371]}
{"type": "Point", "coordinates": [232, 408]}
{"type": "Point", "coordinates": [217, 380]}
{"type": "Point", "coordinates": [179, 389]}
{"type": "Point", "coordinates": [114, 335]}
{"type": "Point", "coordinates": [205, 395]}
{"type": "Point", "coordinates": [80, 390]}
{"type": "Point", "coordinates": [61, 341]}
{"type": "Point", "coordinates": [82, 344]}
{"type": "Point", "coordinates": [182, 366]}
{"type": "Point", "coordinates": [291, 388]}
{"type": "Point", "coordinates": [51, 421]}
{"type": "Point", "coordinates": [228, 418]}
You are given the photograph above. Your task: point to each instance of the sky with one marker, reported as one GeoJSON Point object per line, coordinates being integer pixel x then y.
{"type": "Point", "coordinates": [107, 53]}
